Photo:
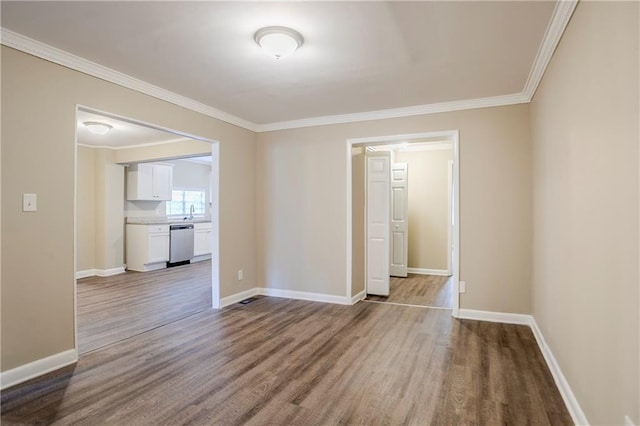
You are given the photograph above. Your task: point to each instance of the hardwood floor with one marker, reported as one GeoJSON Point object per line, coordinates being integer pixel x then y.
{"type": "Point", "coordinates": [278, 361]}
{"type": "Point", "coordinates": [420, 290]}
{"type": "Point", "coordinates": [114, 308]}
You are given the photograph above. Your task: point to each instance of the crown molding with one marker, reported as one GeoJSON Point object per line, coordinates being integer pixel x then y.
{"type": "Point", "coordinates": [516, 98]}
{"type": "Point", "coordinates": [140, 145]}
{"type": "Point", "coordinates": [558, 23]}
{"type": "Point", "coordinates": [60, 57]}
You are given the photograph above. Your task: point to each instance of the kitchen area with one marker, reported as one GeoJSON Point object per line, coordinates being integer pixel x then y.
{"type": "Point", "coordinates": [168, 224]}
{"type": "Point", "coordinates": [144, 235]}
{"type": "Point", "coordinates": [133, 184]}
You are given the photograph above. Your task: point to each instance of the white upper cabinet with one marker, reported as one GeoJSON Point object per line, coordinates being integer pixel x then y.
{"type": "Point", "coordinates": [151, 182]}
{"type": "Point", "coordinates": [162, 182]}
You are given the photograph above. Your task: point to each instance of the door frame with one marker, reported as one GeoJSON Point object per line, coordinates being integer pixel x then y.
{"type": "Point", "coordinates": [215, 203]}
{"type": "Point", "coordinates": [448, 136]}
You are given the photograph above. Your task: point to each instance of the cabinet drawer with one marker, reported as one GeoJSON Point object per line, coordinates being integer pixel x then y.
{"type": "Point", "coordinates": [202, 226]}
{"type": "Point", "coordinates": [158, 229]}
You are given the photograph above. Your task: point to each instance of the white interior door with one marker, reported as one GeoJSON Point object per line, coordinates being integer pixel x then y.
{"type": "Point", "coordinates": [399, 220]}
{"type": "Point", "coordinates": [378, 209]}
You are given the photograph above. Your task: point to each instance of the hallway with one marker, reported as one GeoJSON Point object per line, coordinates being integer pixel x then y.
{"type": "Point", "coordinates": [419, 290]}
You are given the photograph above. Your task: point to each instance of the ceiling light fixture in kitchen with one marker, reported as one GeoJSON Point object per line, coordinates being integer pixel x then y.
{"type": "Point", "coordinates": [279, 42]}
{"type": "Point", "coordinates": [98, 128]}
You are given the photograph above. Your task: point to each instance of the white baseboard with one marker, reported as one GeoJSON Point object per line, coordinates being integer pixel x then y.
{"type": "Point", "coordinates": [37, 368]}
{"type": "Point", "coordinates": [99, 272]}
{"type": "Point", "coordinates": [577, 415]}
{"type": "Point", "coordinates": [290, 294]}
{"type": "Point", "coordinates": [490, 316]}
{"type": "Point", "coordinates": [109, 272]}
{"type": "Point", "coordinates": [149, 267]}
{"type": "Point", "coordinates": [422, 271]}
{"type": "Point", "coordinates": [303, 295]}
{"type": "Point", "coordinates": [86, 273]}
{"type": "Point", "coordinates": [235, 298]}
{"type": "Point", "coordinates": [200, 258]}
{"type": "Point", "coordinates": [358, 297]}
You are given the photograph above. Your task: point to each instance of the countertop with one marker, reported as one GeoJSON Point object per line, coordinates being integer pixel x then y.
{"type": "Point", "coordinates": [164, 220]}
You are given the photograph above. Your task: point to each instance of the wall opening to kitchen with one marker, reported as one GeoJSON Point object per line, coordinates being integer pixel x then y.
{"type": "Point", "coordinates": [146, 227]}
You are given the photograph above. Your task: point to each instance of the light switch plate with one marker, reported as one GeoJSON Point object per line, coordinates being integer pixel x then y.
{"type": "Point", "coordinates": [29, 202]}
{"type": "Point", "coordinates": [463, 287]}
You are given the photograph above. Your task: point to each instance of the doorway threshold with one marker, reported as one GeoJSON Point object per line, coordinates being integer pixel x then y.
{"type": "Point", "coordinates": [408, 304]}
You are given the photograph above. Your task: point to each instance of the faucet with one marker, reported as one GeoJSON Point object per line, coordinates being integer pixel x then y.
{"type": "Point", "coordinates": [192, 209]}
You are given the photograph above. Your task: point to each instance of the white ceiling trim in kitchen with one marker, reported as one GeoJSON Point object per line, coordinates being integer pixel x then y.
{"type": "Point", "coordinates": [140, 145]}
{"type": "Point", "coordinates": [559, 20]}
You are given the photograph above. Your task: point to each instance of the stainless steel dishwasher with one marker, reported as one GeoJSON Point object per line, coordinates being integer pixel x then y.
{"type": "Point", "coordinates": [180, 243]}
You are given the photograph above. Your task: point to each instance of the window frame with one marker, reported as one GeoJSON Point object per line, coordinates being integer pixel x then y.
{"type": "Point", "coordinates": [186, 213]}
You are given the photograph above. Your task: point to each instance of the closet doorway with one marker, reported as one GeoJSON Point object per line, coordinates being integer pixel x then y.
{"type": "Point", "coordinates": [403, 211]}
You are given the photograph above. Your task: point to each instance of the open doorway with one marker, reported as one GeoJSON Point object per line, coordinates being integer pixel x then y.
{"type": "Point", "coordinates": [404, 240]}
{"type": "Point", "coordinates": [134, 184]}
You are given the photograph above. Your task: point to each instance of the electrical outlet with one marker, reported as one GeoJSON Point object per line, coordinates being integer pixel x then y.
{"type": "Point", "coordinates": [29, 202]}
{"type": "Point", "coordinates": [462, 287]}
{"type": "Point", "coordinates": [240, 275]}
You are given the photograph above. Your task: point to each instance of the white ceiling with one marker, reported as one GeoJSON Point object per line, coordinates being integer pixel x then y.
{"type": "Point", "coordinates": [122, 134]}
{"type": "Point", "coordinates": [357, 56]}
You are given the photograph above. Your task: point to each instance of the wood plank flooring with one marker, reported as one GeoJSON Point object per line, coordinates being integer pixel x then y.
{"type": "Point", "coordinates": [118, 307]}
{"type": "Point", "coordinates": [287, 362]}
{"type": "Point", "coordinates": [421, 290]}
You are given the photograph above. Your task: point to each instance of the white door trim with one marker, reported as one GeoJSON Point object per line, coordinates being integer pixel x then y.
{"type": "Point", "coordinates": [215, 211]}
{"type": "Point", "coordinates": [450, 136]}
{"type": "Point", "coordinates": [449, 212]}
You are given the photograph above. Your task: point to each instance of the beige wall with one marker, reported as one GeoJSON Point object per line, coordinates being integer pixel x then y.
{"type": "Point", "coordinates": [357, 220]}
{"type": "Point", "coordinates": [99, 210]}
{"type": "Point", "coordinates": [37, 248]}
{"type": "Point", "coordinates": [302, 204]}
{"type": "Point", "coordinates": [428, 207]}
{"type": "Point", "coordinates": [584, 121]}
{"type": "Point", "coordinates": [86, 209]}
{"type": "Point", "coordinates": [109, 208]}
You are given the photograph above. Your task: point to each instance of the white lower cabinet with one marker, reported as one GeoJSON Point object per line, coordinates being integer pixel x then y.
{"type": "Point", "coordinates": [201, 239]}
{"type": "Point", "coordinates": [147, 247]}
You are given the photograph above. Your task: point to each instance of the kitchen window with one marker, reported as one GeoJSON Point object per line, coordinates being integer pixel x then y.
{"type": "Point", "coordinates": [183, 199]}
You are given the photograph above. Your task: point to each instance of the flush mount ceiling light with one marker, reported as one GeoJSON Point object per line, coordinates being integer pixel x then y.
{"type": "Point", "coordinates": [279, 42]}
{"type": "Point", "coordinates": [98, 128]}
